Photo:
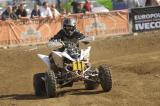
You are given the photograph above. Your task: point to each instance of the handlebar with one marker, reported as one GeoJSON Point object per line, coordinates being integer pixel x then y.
{"type": "Point", "coordinates": [59, 43]}
{"type": "Point", "coordinates": [54, 44]}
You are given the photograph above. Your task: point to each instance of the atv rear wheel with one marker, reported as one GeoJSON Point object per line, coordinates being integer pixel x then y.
{"type": "Point", "coordinates": [90, 85]}
{"type": "Point", "coordinates": [39, 84]}
{"type": "Point", "coordinates": [50, 83]}
{"type": "Point", "coordinates": [105, 78]}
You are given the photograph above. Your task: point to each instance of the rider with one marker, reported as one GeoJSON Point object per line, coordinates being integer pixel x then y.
{"type": "Point", "coordinates": [69, 33]}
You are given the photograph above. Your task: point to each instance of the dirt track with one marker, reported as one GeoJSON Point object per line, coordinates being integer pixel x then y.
{"type": "Point", "coordinates": [135, 64]}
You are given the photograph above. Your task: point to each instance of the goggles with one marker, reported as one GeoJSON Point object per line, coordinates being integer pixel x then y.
{"type": "Point", "coordinates": [68, 27]}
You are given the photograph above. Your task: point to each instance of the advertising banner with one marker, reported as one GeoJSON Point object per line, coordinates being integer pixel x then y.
{"type": "Point", "coordinates": [25, 32]}
{"type": "Point", "coordinates": [104, 24]}
{"type": "Point", "coordinates": [145, 19]}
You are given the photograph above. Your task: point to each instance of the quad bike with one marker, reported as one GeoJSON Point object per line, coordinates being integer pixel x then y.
{"type": "Point", "coordinates": [73, 65]}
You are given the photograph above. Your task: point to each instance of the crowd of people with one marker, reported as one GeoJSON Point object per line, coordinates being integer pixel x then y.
{"type": "Point", "coordinates": [44, 10]}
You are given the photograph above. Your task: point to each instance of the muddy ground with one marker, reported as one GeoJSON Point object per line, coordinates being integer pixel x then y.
{"type": "Point", "coordinates": [134, 61]}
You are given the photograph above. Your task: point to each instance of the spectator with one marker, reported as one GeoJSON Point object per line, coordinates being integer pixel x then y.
{"type": "Point", "coordinates": [21, 12]}
{"type": "Point", "coordinates": [74, 5]}
{"type": "Point", "coordinates": [35, 12]}
{"type": "Point", "coordinates": [87, 6]}
{"type": "Point", "coordinates": [14, 3]}
{"type": "Point", "coordinates": [46, 11]}
{"type": "Point", "coordinates": [80, 8]}
{"type": "Point", "coordinates": [64, 12]}
{"type": "Point", "coordinates": [15, 8]}
{"type": "Point", "coordinates": [55, 12]}
{"type": "Point", "coordinates": [9, 14]}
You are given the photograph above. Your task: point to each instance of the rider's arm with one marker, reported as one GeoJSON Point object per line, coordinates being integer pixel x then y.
{"type": "Point", "coordinates": [79, 35]}
{"type": "Point", "coordinates": [84, 38]}
{"type": "Point", "coordinates": [58, 36]}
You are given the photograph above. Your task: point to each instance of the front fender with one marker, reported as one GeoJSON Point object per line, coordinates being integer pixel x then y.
{"type": "Point", "coordinates": [45, 59]}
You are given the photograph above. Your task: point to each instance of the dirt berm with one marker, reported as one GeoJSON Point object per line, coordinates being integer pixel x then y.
{"type": "Point", "coordinates": [134, 61]}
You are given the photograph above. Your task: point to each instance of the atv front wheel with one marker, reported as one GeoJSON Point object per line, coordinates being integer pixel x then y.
{"type": "Point", "coordinates": [105, 78]}
{"type": "Point", "coordinates": [50, 83]}
{"type": "Point", "coordinates": [39, 84]}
